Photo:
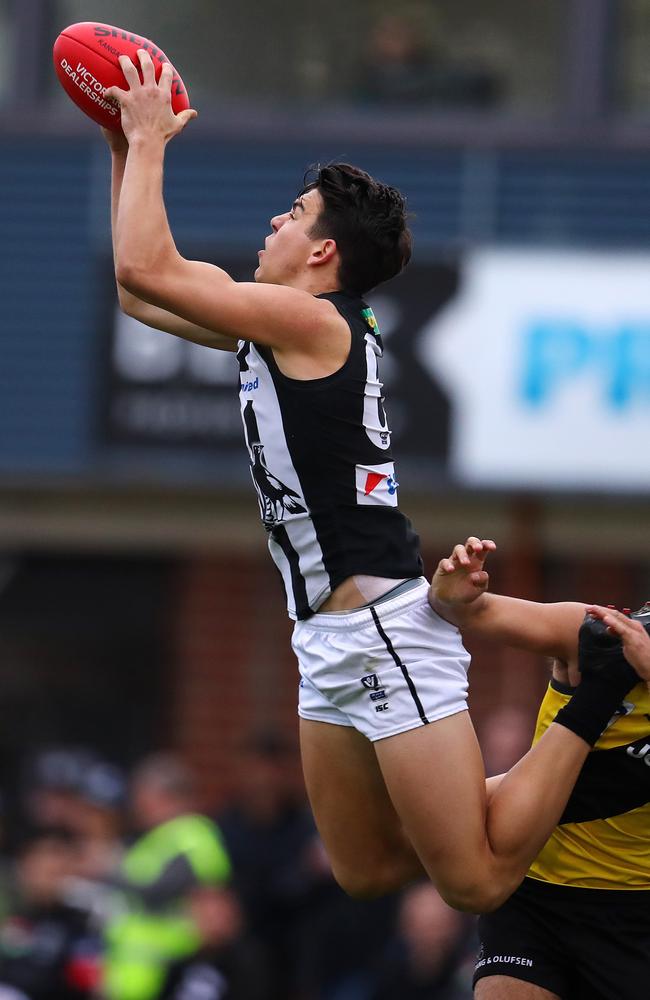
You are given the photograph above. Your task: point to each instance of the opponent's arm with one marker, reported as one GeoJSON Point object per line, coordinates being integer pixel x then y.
{"type": "Point", "coordinates": [459, 594]}
{"type": "Point", "coordinates": [149, 266]}
{"type": "Point", "coordinates": [150, 315]}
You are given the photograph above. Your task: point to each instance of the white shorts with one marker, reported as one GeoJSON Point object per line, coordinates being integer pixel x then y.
{"type": "Point", "coordinates": [384, 669]}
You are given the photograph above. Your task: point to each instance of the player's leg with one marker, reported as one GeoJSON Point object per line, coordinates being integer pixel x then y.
{"type": "Point", "coordinates": [356, 819]}
{"type": "Point", "coordinates": [507, 988]}
{"type": "Point", "coordinates": [476, 853]}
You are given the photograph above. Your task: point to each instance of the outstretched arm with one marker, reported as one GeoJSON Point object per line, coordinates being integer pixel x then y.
{"type": "Point", "coordinates": [150, 315]}
{"type": "Point", "coordinates": [459, 594]}
{"type": "Point", "coordinates": [150, 267]}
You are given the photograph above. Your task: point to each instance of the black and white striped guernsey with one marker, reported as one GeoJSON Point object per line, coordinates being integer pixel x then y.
{"type": "Point", "coordinates": [322, 467]}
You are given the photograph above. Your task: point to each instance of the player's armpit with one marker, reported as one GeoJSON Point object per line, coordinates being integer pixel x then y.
{"type": "Point", "coordinates": [548, 629]}
{"type": "Point", "coordinates": [284, 318]}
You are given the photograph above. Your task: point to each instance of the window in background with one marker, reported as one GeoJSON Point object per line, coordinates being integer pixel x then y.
{"type": "Point", "coordinates": [482, 54]}
{"type": "Point", "coordinates": [632, 73]}
{"type": "Point", "coordinates": [6, 50]}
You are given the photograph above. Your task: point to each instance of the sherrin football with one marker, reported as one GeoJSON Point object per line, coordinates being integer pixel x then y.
{"type": "Point", "coordinates": [86, 63]}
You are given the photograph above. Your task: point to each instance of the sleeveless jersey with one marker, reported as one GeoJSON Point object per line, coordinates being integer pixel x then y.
{"type": "Point", "coordinates": [322, 467]}
{"type": "Point", "coordinates": [603, 838]}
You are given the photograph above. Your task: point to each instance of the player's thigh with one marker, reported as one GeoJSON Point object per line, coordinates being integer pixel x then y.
{"type": "Point", "coordinates": [507, 988]}
{"type": "Point", "coordinates": [353, 811]}
{"type": "Point", "coordinates": [436, 780]}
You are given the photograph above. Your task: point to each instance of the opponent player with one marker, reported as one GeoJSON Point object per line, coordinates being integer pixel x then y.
{"type": "Point", "coordinates": [392, 765]}
{"type": "Point", "coordinates": [578, 928]}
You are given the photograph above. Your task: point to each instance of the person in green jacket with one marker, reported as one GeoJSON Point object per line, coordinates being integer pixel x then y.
{"type": "Point", "coordinates": [178, 850]}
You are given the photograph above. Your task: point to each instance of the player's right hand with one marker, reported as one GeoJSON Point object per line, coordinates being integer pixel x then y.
{"type": "Point", "coordinates": [461, 577]}
{"type": "Point", "coordinates": [117, 141]}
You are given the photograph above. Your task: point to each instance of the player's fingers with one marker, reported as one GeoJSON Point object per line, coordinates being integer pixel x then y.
{"type": "Point", "coordinates": [480, 578]}
{"type": "Point", "coordinates": [186, 116]}
{"type": "Point", "coordinates": [130, 72]}
{"type": "Point", "coordinates": [488, 544]}
{"type": "Point", "coordinates": [115, 94]}
{"type": "Point", "coordinates": [473, 544]}
{"type": "Point", "coordinates": [166, 77]}
{"type": "Point", "coordinates": [146, 64]}
{"type": "Point", "coordinates": [446, 566]}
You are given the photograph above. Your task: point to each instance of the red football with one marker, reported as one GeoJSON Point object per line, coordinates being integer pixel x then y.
{"type": "Point", "coordinates": [85, 60]}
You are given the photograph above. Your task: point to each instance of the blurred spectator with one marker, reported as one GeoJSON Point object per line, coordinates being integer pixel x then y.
{"type": "Point", "coordinates": [227, 965]}
{"type": "Point", "coordinates": [279, 867]}
{"type": "Point", "coordinates": [177, 851]}
{"type": "Point", "coordinates": [432, 955]}
{"type": "Point", "coordinates": [97, 819]}
{"type": "Point", "coordinates": [46, 950]}
{"type": "Point", "coordinates": [402, 66]}
{"type": "Point", "coordinates": [505, 736]}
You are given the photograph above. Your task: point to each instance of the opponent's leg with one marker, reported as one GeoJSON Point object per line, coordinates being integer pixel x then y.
{"type": "Point", "coordinates": [507, 988]}
{"type": "Point", "coordinates": [356, 819]}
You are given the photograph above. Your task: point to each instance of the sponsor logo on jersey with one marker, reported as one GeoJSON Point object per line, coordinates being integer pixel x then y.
{"type": "Point", "coordinates": [250, 386]}
{"type": "Point", "coordinates": [371, 321]}
{"type": "Point", "coordinates": [376, 484]}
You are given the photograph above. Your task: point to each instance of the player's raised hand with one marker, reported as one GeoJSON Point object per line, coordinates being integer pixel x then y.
{"type": "Point", "coordinates": [117, 141]}
{"type": "Point", "coordinates": [146, 107]}
{"type": "Point", "coordinates": [461, 578]}
{"type": "Point", "coordinates": [634, 638]}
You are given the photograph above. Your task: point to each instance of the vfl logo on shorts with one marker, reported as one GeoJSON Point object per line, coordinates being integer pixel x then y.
{"type": "Point", "coordinates": [373, 684]}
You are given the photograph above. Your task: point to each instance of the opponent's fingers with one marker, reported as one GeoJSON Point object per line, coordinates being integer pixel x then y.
{"type": "Point", "coordinates": [147, 67]}
{"type": "Point", "coordinates": [130, 72]}
{"type": "Point", "coordinates": [460, 555]}
{"type": "Point", "coordinates": [480, 546]}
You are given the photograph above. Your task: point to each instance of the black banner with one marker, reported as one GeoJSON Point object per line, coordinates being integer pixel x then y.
{"type": "Point", "coordinates": [163, 391]}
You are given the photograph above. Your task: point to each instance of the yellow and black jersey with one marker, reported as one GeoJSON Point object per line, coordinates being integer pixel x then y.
{"type": "Point", "coordinates": [603, 838]}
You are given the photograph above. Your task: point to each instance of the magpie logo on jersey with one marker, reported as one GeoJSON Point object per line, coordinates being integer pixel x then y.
{"type": "Point", "coordinates": [276, 499]}
{"type": "Point", "coordinates": [376, 484]}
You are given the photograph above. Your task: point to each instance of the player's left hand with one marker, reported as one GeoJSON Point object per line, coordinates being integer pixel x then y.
{"type": "Point", "coordinates": [461, 578]}
{"type": "Point", "coordinates": [634, 638]}
{"type": "Point", "coordinates": [146, 106]}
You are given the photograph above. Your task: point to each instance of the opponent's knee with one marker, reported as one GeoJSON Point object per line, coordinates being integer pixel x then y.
{"type": "Point", "coordinates": [369, 883]}
{"type": "Point", "coordinates": [475, 897]}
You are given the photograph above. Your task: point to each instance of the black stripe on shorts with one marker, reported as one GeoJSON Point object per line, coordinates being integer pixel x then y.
{"type": "Point", "coordinates": [407, 677]}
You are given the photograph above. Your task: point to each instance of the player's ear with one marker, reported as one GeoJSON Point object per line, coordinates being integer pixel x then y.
{"type": "Point", "coordinates": [323, 252]}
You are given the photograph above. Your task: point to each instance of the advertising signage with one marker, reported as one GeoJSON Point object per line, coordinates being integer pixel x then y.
{"type": "Point", "coordinates": [506, 369]}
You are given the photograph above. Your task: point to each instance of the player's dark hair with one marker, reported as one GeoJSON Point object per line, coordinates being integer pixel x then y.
{"type": "Point", "coordinates": [366, 218]}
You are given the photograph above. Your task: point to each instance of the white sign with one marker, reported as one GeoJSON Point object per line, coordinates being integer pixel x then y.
{"type": "Point", "coordinates": [546, 359]}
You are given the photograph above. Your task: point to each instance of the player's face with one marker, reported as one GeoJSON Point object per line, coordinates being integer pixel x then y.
{"type": "Point", "coordinates": [288, 248]}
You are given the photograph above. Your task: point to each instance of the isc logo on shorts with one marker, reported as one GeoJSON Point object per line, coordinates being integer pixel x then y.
{"type": "Point", "coordinates": [376, 484]}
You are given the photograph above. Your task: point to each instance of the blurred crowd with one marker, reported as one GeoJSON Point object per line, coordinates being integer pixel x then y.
{"type": "Point", "coordinates": [116, 886]}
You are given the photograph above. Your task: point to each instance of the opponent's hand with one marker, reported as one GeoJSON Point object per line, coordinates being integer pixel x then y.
{"type": "Point", "coordinates": [147, 107]}
{"type": "Point", "coordinates": [634, 638]}
{"type": "Point", "coordinates": [461, 578]}
{"type": "Point", "coordinates": [117, 141]}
